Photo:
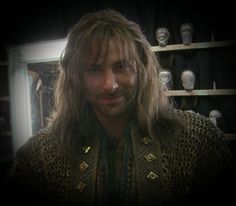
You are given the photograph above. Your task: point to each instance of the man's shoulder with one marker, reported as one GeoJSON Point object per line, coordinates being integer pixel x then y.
{"type": "Point", "coordinates": [198, 126]}
{"type": "Point", "coordinates": [186, 120]}
{"type": "Point", "coordinates": [193, 119]}
{"type": "Point", "coordinates": [42, 140]}
{"type": "Point", "coordinates": [188, 124]}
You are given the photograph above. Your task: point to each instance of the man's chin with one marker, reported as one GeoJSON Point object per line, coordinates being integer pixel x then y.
{"type": "Point", "coordinates": [111, 112]}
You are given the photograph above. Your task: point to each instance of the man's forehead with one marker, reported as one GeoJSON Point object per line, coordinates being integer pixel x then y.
{"type": "Point", "coordinates": [101, 51]}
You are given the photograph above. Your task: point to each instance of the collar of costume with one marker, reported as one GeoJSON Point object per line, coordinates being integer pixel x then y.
{"type": "Point", "coordinates": [150, 178]}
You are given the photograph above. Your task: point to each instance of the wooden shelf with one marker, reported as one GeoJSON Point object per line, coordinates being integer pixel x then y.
{"type": "Point", "coordinates": [6, 98]}
{"type": "Point", "coordinates": [199, 45]}
{"type": "Point", "coordinates": [6, 158]}
{"type": "Point", "coordinates": [202, 92]}
{"type": "Point", "coordinates": [6, 133]}
{"type": "Point", "coordinates": [5, 63]}
{"type": "Point", "coordinates": [230, 136]}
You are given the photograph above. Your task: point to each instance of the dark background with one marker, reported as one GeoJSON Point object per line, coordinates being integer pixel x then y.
{"type": "Point", "coordinates": [34, 21]}
{"type": "Point", "coordinates": [25, 22]}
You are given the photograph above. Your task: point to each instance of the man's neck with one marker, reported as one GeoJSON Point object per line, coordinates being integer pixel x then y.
{"type": "Point", "coordinates": [114, 126]}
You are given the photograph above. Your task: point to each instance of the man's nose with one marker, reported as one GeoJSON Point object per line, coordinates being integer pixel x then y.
{"type": "Point", "coordinates": [110, 83]}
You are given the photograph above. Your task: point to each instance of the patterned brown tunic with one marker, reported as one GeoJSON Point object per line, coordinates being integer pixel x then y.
{"type": "Point", "coordinates": [182, 164]}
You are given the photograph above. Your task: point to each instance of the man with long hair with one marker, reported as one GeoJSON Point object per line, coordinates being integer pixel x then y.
{"type": "Point", "coordinates": [113, 137]}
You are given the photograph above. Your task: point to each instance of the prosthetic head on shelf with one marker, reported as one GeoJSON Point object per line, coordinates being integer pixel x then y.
{"type": "Point", "coordinates": [186, 31]}
{"type": "Point", "coordinates": [166, 79]}
{"type": "Point", "coordinates": [162, 36]}
{"type": "Point", "coordinates": [188, 80]}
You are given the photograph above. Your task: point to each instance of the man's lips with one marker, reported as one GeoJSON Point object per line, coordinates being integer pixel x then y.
{"type": "Point", "coordinates": [111, 100]}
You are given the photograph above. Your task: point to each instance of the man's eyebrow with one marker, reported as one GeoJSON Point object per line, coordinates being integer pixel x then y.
{"type": "Point", "coordinates": [95, 66]}
{"type": "Point", "coordinates": [121, 62]}
{"type": "Point", "coordinates": [117, 63]}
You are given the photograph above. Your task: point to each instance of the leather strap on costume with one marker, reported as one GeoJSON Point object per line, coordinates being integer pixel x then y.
{"type": "Point", "coordinates": [83, 176]}
{"type": "Point", "coordinates": [150, 176]}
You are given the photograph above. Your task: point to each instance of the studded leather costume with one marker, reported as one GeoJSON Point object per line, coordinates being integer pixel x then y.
{"type": "Point", "coordinates": [181, 164]}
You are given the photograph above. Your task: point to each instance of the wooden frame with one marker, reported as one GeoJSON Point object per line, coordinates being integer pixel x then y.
{"type": "Point", "coordinates": [201, 92]}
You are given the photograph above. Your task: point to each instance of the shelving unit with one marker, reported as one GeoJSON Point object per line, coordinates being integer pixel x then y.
{"type": "Point", "coordinates": [6, 98]}
{"type": "Point", "coordinates": [230, 136]}
{"type": "Point", "coordinates": [4, 101]}
{"type": "Point", "coordinates": [6, 157]}
{"type": "Point", "coordinates": [199, 92]}
{"type": "Point", "coordinates": [199, 45]}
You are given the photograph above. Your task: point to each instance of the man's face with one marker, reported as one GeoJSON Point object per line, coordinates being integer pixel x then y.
{"type": "Point", "coordinates": [111, 85]}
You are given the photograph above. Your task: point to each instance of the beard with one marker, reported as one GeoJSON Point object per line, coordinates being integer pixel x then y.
{"type": "Point", "coordinates": [116, 104]}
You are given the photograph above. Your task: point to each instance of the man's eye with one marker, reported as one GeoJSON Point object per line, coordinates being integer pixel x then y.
{"type": "Point", "coordinates": [122, 67]}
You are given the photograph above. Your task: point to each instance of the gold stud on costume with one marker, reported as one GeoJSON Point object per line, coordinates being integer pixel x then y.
{"type": "Point", "coordinates": [146, 140]}
{"type": "Point", "coordinates": [150, 157]}
{"type": "Point", "coordinates": [152, 176]}
{"type": "Point", "coordinates": [81, 186]}
{"type": "Point", "coordinates": [83, 166]}
{"type": "Point", "coordinates": [86, 149]}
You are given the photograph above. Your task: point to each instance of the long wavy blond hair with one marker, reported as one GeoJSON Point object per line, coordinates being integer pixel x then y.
{"type": "Point", "coordinates": [71, 119]}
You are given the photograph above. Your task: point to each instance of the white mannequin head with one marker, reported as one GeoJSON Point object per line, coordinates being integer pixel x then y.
{"type": "Point", "coordinates": [166, 78]}
{"type": "Point", "coordinates": [188, 80]}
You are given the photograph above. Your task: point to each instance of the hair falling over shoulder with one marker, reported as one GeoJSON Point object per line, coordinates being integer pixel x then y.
{"type": "Point", "coordinates": [71, 118]}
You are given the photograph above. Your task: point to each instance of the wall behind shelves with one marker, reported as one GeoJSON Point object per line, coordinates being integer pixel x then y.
{"type": "Point", "coordinates": [27, 22]}
{"type": "Point", "coordinates": [209, 65]}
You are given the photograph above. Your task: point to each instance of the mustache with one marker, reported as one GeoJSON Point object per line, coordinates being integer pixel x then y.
{"type": "Point", "coordinates": [111, 94]}
{"type": "Point", "coordinates": [116, 93]}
